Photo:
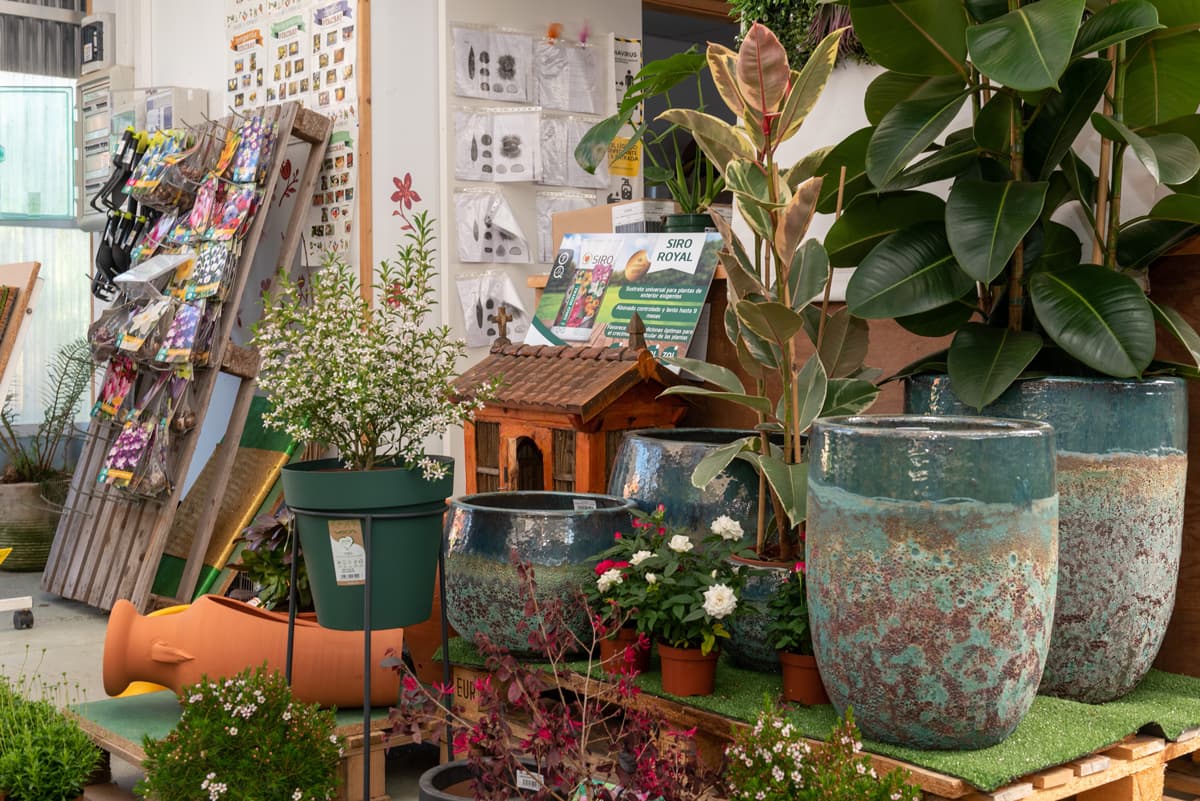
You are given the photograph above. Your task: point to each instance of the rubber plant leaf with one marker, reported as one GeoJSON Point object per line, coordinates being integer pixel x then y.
{"type": "Point", "coordinates": [771, 320]}
{"type": "Point", "coordinates": [941, 321]}
{"type": "Point", "coordinates": [795, 218]}
{"type": "Point", "coordinates": [719, 140]}
{"type": "Point", "coordinates": [1170, 158]}
{"type": "Point", "coordinates": [756, 403]}
{"type": "Point", "coordinates": [911, 271]}
{"type": "Point", "coordinates": [722, 65]}
{"type": "Point", "coordinates": [850, 153]}
{"type": "Point", "coordinates": [716, 461]}
{"type": "Point", "coordinates": [891, 88]}
{"type": "Point", "coordinates": [905, 131]}
{"type": "Point", "coordinates": [1029, 48]}
{"type": "Point", "coordinates": [848, 396]}
{"type": "Point", "coordinates": [807, 273]}
{"type": "Point", "coordinates": [869, 219]}
{"type": "Point", "coordinates": [1179, 328]}
{"type": "Point", "coordinates": [1177, 208]}
{"type": "Point", "coordinates": [1098, 316]}
{"type": "Point", "coordinates": [1113, 24]}
{"type": "Point", "coordinates": [844, 344]}
{"type": "Point", "coordinates": [762, 69]}
{"type": "Point", "coordinates": [985, 222]}
{"type": "Point", "coordinates": [807, 85]}
{"type": "Point", "coordinates": [1160, 73]}
{"type": "Point", "coordinates": [722, 377]}
{"type": "Point", "coordinates": [984, 360]}
{"type": "Point", "coordinates": [915, 37]}
{"type": "Point", "coordinates": [1063, 115]}
{"type": "Point", "coordinates": [790, 483]}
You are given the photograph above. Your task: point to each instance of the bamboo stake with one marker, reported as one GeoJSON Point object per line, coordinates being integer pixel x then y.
{"type": "Point", "coordinates": [1101, 232]}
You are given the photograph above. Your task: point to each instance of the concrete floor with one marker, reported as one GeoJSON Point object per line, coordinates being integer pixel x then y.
{"type": "Point", "coordinates": [67, 642]}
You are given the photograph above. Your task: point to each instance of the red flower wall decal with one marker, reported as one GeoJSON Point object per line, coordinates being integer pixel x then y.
{"type": "Point", "coordinates": [404, 197]}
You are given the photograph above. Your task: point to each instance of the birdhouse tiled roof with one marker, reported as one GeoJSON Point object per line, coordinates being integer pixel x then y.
{"type": "Point", "coordinates": [562, 378]}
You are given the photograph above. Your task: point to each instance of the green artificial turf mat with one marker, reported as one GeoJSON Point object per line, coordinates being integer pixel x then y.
{"type": "Point", "coordinates": [1055, 731]}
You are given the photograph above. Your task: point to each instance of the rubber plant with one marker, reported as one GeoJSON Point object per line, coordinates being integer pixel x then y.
{"type": "Point", "coordinates": [686, 173]}
{"type": "Point", "coordinates": [778, 315]}
{"type": "Point", "coordinates": [992, 264]}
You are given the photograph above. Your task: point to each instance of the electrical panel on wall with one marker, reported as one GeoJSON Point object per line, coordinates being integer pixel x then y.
{"type": "Point", "coordinates": [98, 43]}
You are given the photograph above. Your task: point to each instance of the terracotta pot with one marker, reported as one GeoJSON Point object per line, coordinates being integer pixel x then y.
{"type": "Point", "coordinates": [802, 680]}
{"type": "Point", "coordinates": [219, 637]}
{"type": "Point", "coordinates": [686, 671]}
{"type": "Point", "coordinates": [612, 651]}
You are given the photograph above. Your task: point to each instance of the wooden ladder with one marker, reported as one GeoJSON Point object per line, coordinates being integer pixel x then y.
{"type": "Point", "coordinates": [109, 542]}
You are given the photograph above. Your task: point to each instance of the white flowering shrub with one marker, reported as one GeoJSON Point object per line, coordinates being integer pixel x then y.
{"type": "Point", "coordinates": [244, 738]}
{"type": "Point", "coordinates": [372, 381]}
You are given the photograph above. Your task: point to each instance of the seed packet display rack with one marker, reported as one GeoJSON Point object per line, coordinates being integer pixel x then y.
{"type": "Point", "coordinates": [109, 541]}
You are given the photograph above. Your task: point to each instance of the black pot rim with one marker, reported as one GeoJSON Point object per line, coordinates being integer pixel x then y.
{"type": "Point", "coordinates": [449, 773]}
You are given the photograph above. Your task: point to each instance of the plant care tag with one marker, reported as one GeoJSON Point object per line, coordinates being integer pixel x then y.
{"type": "Point", "coordinates": [527, 780]}
{"type": "Point", "coordinates": [349, 556]}
{"type": "Point", "coordinates": [583, 504]}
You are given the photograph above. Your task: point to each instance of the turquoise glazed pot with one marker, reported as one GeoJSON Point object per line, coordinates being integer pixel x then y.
{"type": "Point", "coordinates": [403, 552]}
{"type": "Point", "coordinates": [1122, 467]}
{"type": "Point", "coordinates": [555, 532]}
{"type": "Point", "coordinates": [655, 466]}
{"type": "Point", "coordinates": [748, 644]}
{"type": "Point", "coordinates": [932, 563]}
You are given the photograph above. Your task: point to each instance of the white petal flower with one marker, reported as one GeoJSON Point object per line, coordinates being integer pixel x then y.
{"type": "Point", "coordinates": [651, 578]}
{"type": "Point", "coordinates": [719, 601]}
{"type": "Point", "coordinates": [680, 543]}
{"type": "Point", "coordinates": [639, 557]}
{"type": "Point", "coordinates": [727, 528]}
{"type": "Point", "coordinates": [609, 579]}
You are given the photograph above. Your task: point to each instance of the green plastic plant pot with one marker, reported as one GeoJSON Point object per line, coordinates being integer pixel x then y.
{"type": "Point", "coordinates": [403, 551]}
{"type": "Point", "coordinates": [687, 223]}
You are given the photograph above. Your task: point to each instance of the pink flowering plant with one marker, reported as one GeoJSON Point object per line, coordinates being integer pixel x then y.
{"type": "Point", "coordinates": [244, 738]}
{"type": "Point", "coordinates": [581, 735]}
{"type": "Point", "coordinates": [677, 592]}
{"type": "Point", "coordinates": [771, 761]}
{"type": "Point", "coordinates": [613, 600]}
{"type": "Point", "coordinates": [788, 628]}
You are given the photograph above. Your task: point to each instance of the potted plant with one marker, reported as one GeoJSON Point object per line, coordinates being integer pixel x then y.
{"type": "Point", "coordinates": [266, 560]}
{"type": "Point", "coordinates": [33, 483]}
{"type": "Point", "coordinates": [44, 755]}
{"type": "Point", "coordinates": [242, 738]}
{"type": "Point", "coordinates": [673, 159]}
{"type": "Point", "coordinates": [770, 761]}
{"type": "Point", "coordinates": [800, 359]}
{"type": "Point", "coordinates": [541, 728]}
{"type": "Point", "coordinates": [374, 382]}
{"type": "Point", "coordinates": [791, 636]}
{"type": "Point", "coordinates": [1046, 324]}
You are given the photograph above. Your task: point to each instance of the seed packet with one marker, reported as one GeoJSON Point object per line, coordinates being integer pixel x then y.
{"type": "Point", "coordinates": [150, 278]}
{"type": "Point", "coordinates": [232, 140]}
{"type": "Point", "coordinates": [144, 334]}
{"type": "Point", "coordinates": [249, 151]}
{"type": "Point", "coordinates": [211, 273]}
{"type": "Point", "coordinates": [118, 381]}
{"type": "Point", "coordinates": [107, 329]}
{"type": "Point", "coordinates": [234, 212]}
{"type": "Point", "coordinates": [204, 207]}
{"type": "Point", "coordinates": [126, 453]}
{"type": "Point", "coordinates": [153, 238]}
{"type": "Point", "coordinates": [181, 334]}
{"type": "Point", "coordinates": [204, 335]}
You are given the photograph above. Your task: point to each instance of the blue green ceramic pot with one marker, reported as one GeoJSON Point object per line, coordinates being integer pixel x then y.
{"type": "Point", "coordinates": [1122, 466]}
{"type": "Point", "coordinates": [555, 532]}
{"type": "Point", "coordinates": [932, 556]}
{"type": "Point", "coordinates": [749, 644]}
{"type": "Point", "coordinates": [655, 466]}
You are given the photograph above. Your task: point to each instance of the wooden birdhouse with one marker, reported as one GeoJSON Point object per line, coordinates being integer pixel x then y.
{"type": "Point", "coordinates": [560, 414]}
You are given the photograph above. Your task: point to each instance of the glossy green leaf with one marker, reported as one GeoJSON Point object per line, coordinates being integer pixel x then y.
{"type": "Point", "coordinates": [850, 153]}
{"type": "Point", "coordinates": [592, 148]}
{"type": "Point", "coordinates": [905, 131]}
{"type": "Point", "coordinates": [806, 167]}
{"type": "Point", "coordinates": [950, 161]}
{"type": "Point", "coordinates": [848, 396]}
{"type": "Point", "coordinates": [1063, 115]}
{"type": "Point", "coordinates": [754, 402]}
{"type": "Point", "coordinates": [911, 271]}
{"type": "Point", "coordinates": [1169, 158]}
{"type": "Point", "coordinates": [1144, 240]}
{"type": "Point", "coordinates": [1188, 126]}
{"type": "Point", "coordinates": [790, 482]}
{"type": "Point", "coordinates": [916, 37]}
{"type": "Point", "coordinates": [869, 219]}
{"type": "Point", "coordinates": [811, 385]}
{"type": "Point", "coordinates": [716, 460]}
{"type": "Point", "coordinates": [1098, 316]}
{"type": "Point", "coordinates": [722, 377]}
{"type": "Point", "coordinates": [1029, 48]}
{"type": "Point", "coordinates": [1119, 22]}
{"type": "Point", "coordinates": [1179, 328]}
{"type": "Point", "coordinates": [930, 363]}
{"type": "Point", "coordinates": [748, 182]}
{"type": "Point", "coordinates": [986, 221]}
{"type": "Point", "coordinates": [1081, 178]}
{"type": "Point", "coordinates": [844, 344]}
{"type": "Point", "coordinates": [1061, 248]}
{"type": "Point", "coordinates": [993, 124]}
{"type": "Point", "coordinates": [983, 361]}
{"type": "Point", "coordinates": [770, 320]}
{"type": "Point", "coordinates": [1177, 207]}
{"type": "Point", "coordinates": [719, 140]}
{"type": "Point", "coordinates": [762, 69]}
{"type": "Point", "coordinates": [808, 273]}
{"type": "Point", "coordinates": [1160, 79]}
{"type": "Point", "coordinates": [891, 88]}
{"type": "Point", "coordinates": [943, 320]}
{"type": "Point", "coordinates": [806, 87]}
{"type": "Point", "coordinates": [985, 10]}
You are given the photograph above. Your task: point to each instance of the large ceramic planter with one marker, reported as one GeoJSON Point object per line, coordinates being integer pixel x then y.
{"type": "Point", "coordinates": [218, 637]}
{"type": "Point", "coordinates": [932, 555]}
{"type": "Point", "coordinates": [655, 466]}
{"type": "Point", "coordinates": [748, 643]}
{"type": "Point", "coordinates": [404, 541]}
{"type": "Point", "coordinates": [27, 524]}
{"type": "Point", "coordinates": [1122, 465]}
{"type": "Point", "coordinates": [556, 532]}
{"type": "Point", "coordinates": [454, 781]}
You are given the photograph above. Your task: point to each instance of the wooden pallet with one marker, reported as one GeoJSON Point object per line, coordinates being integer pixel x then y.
{"type": "Point", "coordinates": [109, 543]}
{"type": "Point", "coordinates": [1136, 769]}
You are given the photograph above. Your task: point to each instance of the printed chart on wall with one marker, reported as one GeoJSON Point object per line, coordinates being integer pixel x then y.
{"type": "Point", "coordinates": [599, 280]}
{"type": "Point", "coordinates": [306, 50]}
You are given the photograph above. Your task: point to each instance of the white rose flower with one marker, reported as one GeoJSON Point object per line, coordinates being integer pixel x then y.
{"type": "Point", "coordinates": [719, 601]}
{"type": "Point", "coordinates": [713, 574]}
{"type": "Point", "coordinates": [639, 557]}
{"type": "Point", "coordinates": [651, 578]}
{"type": "Point", "coordinates": [609, 579]}
{"type": "Point", "coordinates": [680, 543]}
{"type": "Point", "coordinates": [727, 528]}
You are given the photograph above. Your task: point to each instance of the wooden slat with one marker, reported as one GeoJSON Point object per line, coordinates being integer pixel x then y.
{"type": "Point", "coordinates": [1146, 785]}
{"type": "Point", "coordinates": [23, 276]}
{"type": "Point", "coordinates": [1184, 782]}
{"type": "Point", "coordinates": [1090, 765]}
{"type": "Point", "coordinates": [1012, 792]}
{"type": "Point", "coordinates": [1137, 747]}
{"type": "Point", "coordinates": [1055, 777]}
{"type": "Point", "coordinates": [240, 361]}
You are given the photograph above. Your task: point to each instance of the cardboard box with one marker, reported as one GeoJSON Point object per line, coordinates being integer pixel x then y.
{"type": "Point", "coordinates": [628, 215]}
